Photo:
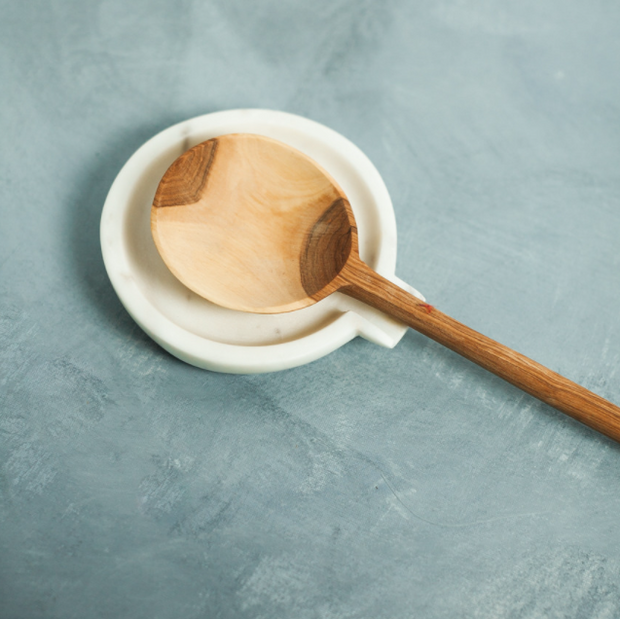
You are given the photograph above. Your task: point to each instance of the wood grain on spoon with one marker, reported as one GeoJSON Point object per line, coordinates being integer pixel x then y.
{"type": "Point", "coordinates": [233, 215]}
{"type": "Point", "coordinates": [254, 225]}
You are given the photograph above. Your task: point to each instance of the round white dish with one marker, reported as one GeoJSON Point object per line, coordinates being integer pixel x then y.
{"type": "Point", "coordinates": [223, 340]}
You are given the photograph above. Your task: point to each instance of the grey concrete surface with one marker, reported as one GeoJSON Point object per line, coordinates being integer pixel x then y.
{"type": "Point", "coordinates": [372, 483]}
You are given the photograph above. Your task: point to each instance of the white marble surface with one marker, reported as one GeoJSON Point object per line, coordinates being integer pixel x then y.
{"type": "Point", "coordinates": [216, 338]}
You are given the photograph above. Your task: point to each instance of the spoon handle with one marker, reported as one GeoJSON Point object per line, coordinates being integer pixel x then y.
{"type": "Point", "coordinates": [361, 282]}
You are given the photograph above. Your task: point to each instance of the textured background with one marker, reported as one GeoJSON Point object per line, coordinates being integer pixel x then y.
{"type": "Point", "coordinates": [372, 483]}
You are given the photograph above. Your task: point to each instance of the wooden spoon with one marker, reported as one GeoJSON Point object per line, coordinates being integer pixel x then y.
{"type": "Point", "coordinates": [252, 224]}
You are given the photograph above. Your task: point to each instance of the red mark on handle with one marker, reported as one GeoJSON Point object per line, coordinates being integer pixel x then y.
{"type": "Point", "coordinates": [427, 307]}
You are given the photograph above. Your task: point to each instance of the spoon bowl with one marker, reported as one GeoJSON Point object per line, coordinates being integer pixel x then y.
{"type": "Point", "coordinates": [252, 224]}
